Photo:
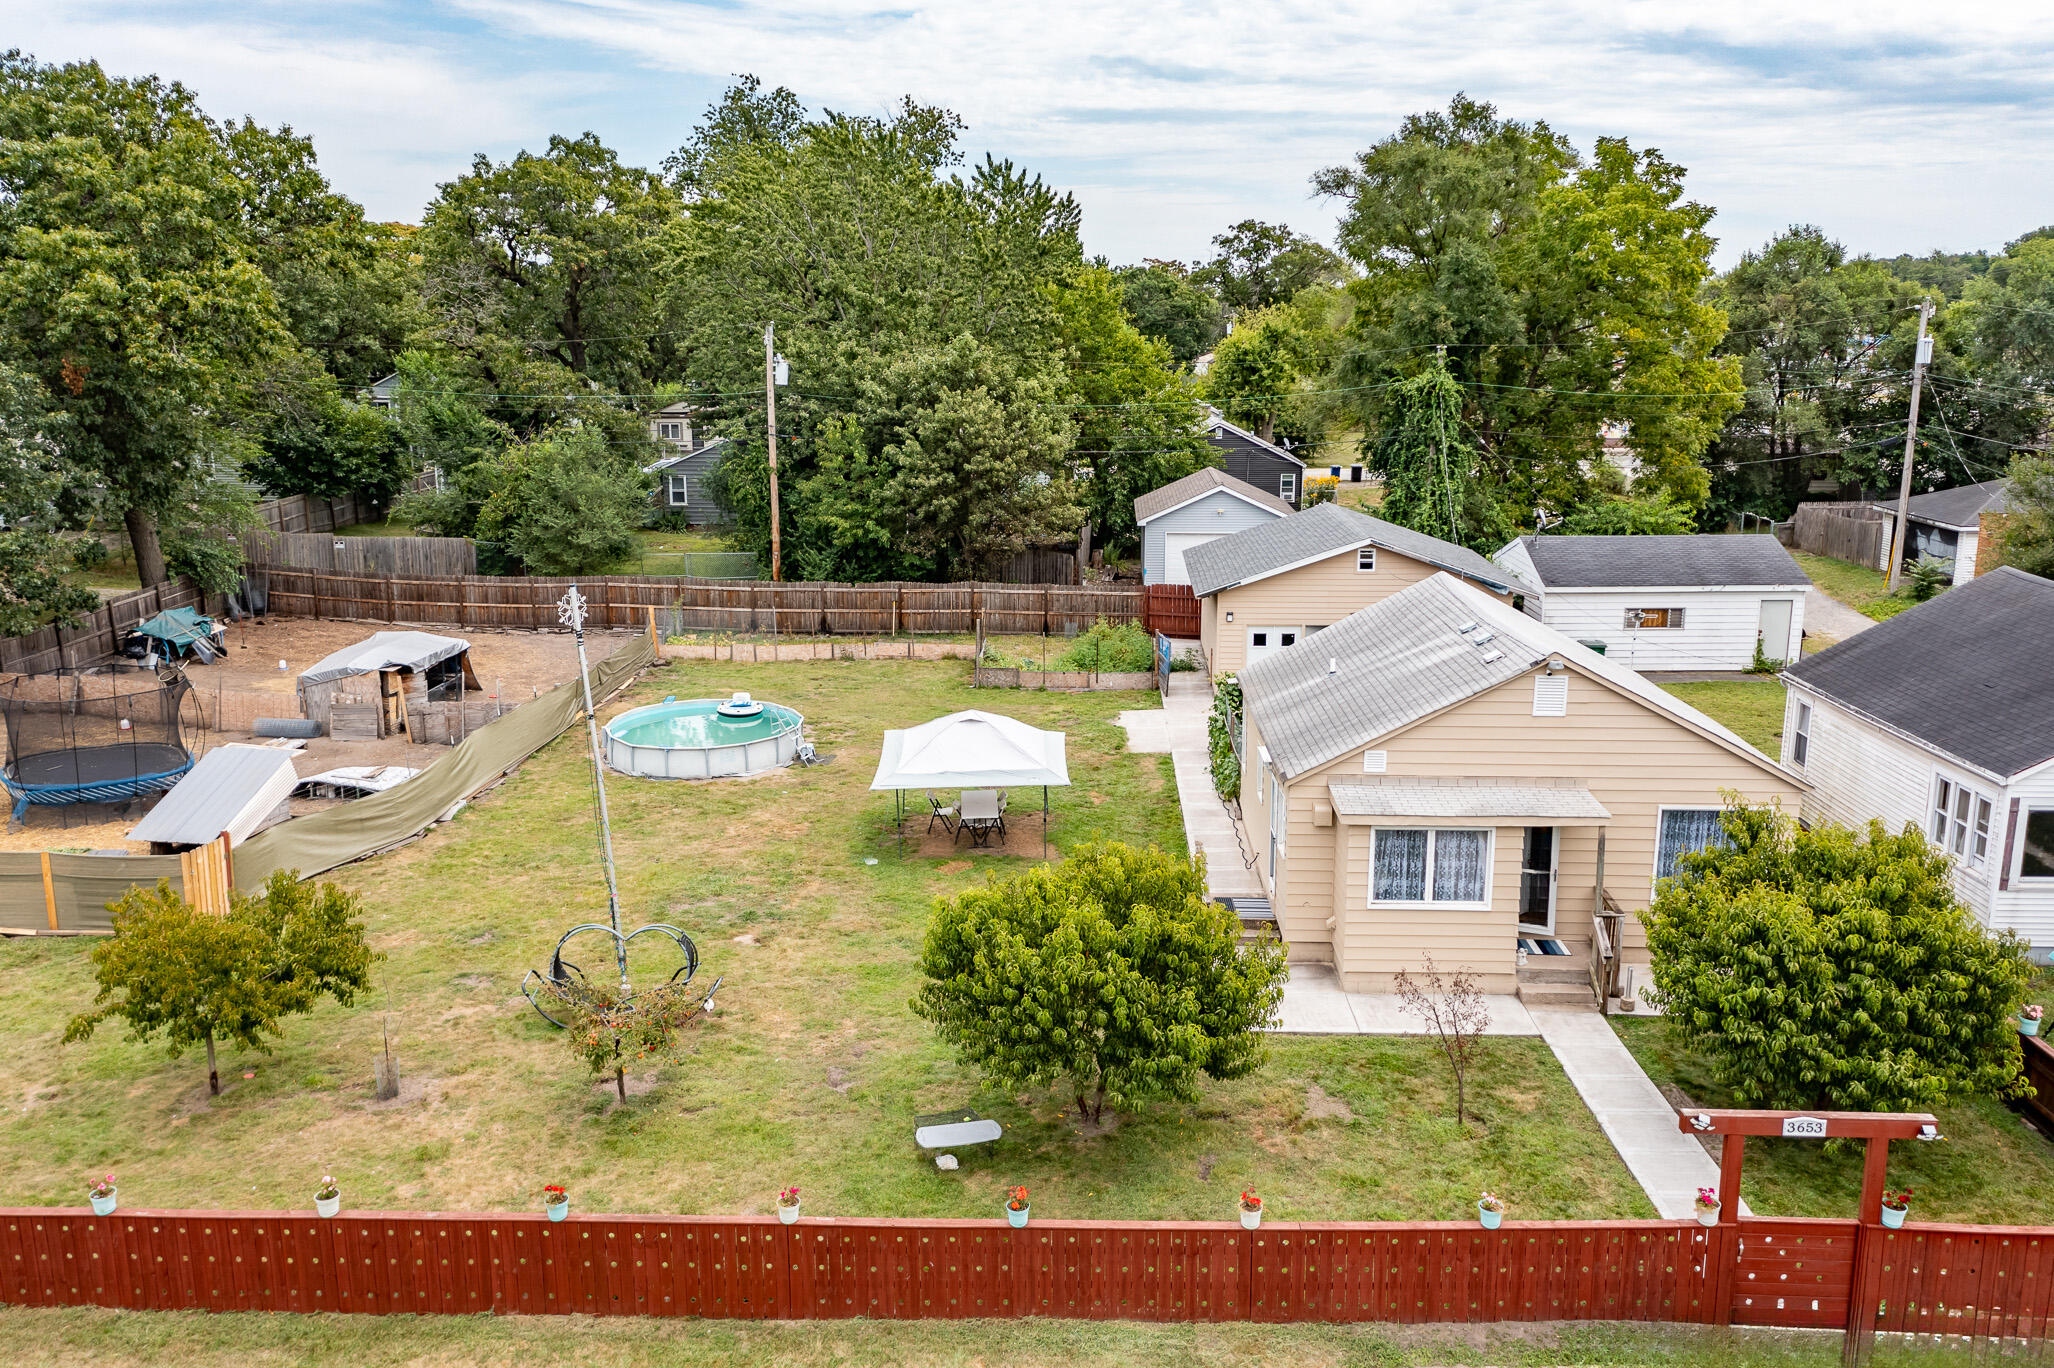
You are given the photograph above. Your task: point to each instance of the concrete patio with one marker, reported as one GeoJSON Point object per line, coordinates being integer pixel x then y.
{"type": "Point", "coordinates": [1314, 1004]}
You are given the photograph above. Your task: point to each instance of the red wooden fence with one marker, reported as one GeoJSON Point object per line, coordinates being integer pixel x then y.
{"type": "Point", "coordinates": [1171, 609]}
{"type": "Point", "coordinates": [1933, 1278]}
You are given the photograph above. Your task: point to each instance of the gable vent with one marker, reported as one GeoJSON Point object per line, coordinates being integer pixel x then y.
{"type": "Point", "coordinates": [1375, 762]}
{"type": "Point", "coordinates": [1551, 695]}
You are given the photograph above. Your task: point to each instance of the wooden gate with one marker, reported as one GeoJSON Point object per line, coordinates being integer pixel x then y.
{"type": "Point", "coordinates": [1172, 610]}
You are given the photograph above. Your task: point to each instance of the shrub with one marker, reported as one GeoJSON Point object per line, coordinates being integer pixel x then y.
{"type": "Point", "coordinates": [1110, 648]}
{"type": "Point", "coordinates": [1226, 715]}
{"type": "Point", "coordinates": [1321, 489]}
{"type": "Point", "coordinates": [1826, 968]}
{"type": "Point", "coordinates": [1928, 579]}
{"type": "Point", "coordinates": [1110, 972]}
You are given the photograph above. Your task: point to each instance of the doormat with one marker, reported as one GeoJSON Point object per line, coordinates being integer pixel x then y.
{"type": "Point", "coordinates": [1542, 945]}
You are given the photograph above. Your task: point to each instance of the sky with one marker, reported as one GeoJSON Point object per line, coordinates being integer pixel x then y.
{"type": "Point", "coordinates": [1895, 126]}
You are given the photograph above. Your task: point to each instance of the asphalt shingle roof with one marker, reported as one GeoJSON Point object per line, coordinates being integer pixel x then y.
{"type": "Point", "coordinates": [1970, 673]}
{"type": "Point", "coordinates": [1200, 482]}
{"type": "Point", "coordinates": [1692, 561]}
{"type": "Point", "coordinates": [1325, 530]}
{"type": "Point", "coordinates": [1959, 507]}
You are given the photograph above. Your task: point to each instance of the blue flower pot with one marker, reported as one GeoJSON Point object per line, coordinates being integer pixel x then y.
{"type": "Point", "coordinates": [1017, 1219]}
{"type": "Point", "coordinates": [2028, 1026]}
{"type": "Point", "coordinates": [1489, 1218]}
{"type": "Point", "coordinates": [559, 1211]}
{"type": "Point", "coordinates": [103, 1206]}
{"type": "Point", "coordinates": [1894, 1216]}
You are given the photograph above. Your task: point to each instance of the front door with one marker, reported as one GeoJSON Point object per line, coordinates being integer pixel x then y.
{"type": "Point", "coordinates": [1775, 633]}
{"type": "Point", "coordinates": [1537, 880]}
{"type": "Point", "coordinates": [1267, 641]}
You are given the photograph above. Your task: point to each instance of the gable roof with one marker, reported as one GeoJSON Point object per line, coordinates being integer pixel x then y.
{"type": "Point", "coordinates": [712, 448]}
{"type": "Point", "coordinates": [1407, 657]}
{"type": "Point", "coordinates": [1196, 486]}
{"type": "Point", "coordinates": [1961, 507]}
{"type": "Point", "coordinates": [1685, 561]}
{"type": "Point", "coordinates": [1215, 425]}
{"type": "Point", "coordinates": [1327, 530]}
{"type": "Point", "coordinates": [1970, 673]}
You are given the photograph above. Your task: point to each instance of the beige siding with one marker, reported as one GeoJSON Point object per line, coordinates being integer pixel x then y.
{"type": "Point", "coordinates": [1635, 759]}
{"type": "Point", "coordinates": [1316, 595]}
{"type": "Point", "coordinates": [1207, 636]}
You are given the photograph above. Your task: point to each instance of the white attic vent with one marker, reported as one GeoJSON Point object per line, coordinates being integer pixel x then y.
{"type": "Point", "coordinates": [1551, 695]}
{"type": "Point", "coordinates": [1492, 657]}
{"type": "Point", "coordinates": [1375, 762]}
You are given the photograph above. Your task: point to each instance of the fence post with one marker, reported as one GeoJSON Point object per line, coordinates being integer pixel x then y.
{"type": "Point", "coordinates": [49, 892]}
{"type": "Point", "coordinates": [1866, 1281]}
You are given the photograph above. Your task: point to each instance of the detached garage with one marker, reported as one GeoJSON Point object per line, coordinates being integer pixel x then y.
{"type": "Point", "coordinates": [1667, 603]}
{"type": "Point", "coordinates": [1203, 506]}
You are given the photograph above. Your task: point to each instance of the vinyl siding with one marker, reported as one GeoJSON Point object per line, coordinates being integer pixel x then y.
{"type": "Point", "coordinates": [700, 510]}
{"type": "Point", "coordinates": [1634, 759]}
{"type": "Point", "coordinates": [1218, 513]}
{"type": "Point", "coordinates": [1517, 560]}
{"type": "Point", "coordinates": [2027, 908]}
{"type": "Point", "coordinates": [1251, 464]}
{"type": "Point", "coordinates": [1965, 557]}
{"type": "Point", "coordinates": [1718, 633]}
{"type": "Point", "coordinates": [1316, 595]}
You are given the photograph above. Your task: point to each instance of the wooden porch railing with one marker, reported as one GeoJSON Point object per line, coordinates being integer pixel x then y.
{"type": "Point", "coordinates": [1606, 926]}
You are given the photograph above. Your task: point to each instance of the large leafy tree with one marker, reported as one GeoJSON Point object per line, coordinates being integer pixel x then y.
{"type": "Point", "coordinates": [1257, 367]}
{"type": "Point", "coordinates": [133, 285]}
{"type": "Point", "coordinates": [1830, 968]}
{"type": "Point", "coordinates": [1110, 973]}
{"type": "Point", "coordinates": [1256, 265]}
{"type": "Point", "coordinates": [35, 558]}
{"type": "Point", "coordinates": [202, 980]}
{"type": "Point", "coordinates": [2026, 540]}
{"type": "Point", "coordinates": [1566, 292]}
{"type": "Point", "coordinates": [1164, 302]}
{"type": "Point", "coordinates": [1429, 465]}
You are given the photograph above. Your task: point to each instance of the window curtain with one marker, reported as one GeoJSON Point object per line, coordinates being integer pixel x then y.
{"type": "Point", "coordinates": [1685, 830]}
{"type": "Point", "coordinates": [1460, 874]}
{"type": "Point", "coordinates": [1400, 872]}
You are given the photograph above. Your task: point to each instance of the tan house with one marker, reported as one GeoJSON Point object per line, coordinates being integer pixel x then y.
{"type": "Point", "coordinates": [1440, 773]}
{"type": "Point", "coordinates": [1271, 586]}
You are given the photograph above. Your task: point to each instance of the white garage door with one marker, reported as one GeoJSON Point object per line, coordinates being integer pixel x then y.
{"type": "Point", "coordinates": [1175, 544]}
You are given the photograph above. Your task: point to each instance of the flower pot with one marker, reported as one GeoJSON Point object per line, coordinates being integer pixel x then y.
{"type": "Point", "coordinates": [1250, 1219]}
{"type": "Point", "coordinates": [558, 1211]}
{"type": "Point", "coordinates": [1894, 1216]}
{"type": "Point", "coordinates": [328, 1206]}
{"type": "Point", "coordinates": [1489, 1218]}
{"type": "Point", "coordinates": [788, 1214]}
{"type": "Point", "coordinates": [1707, 1216]}
{"type": "Point", "coordinates": [103, 1206]}
{"type": "Point", "coordinates": [1017, 1216]}
{"type": "Point", "coordinates": [2028, 1026]}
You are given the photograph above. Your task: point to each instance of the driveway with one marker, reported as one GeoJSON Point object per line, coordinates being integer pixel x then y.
{"type": "Point", "coordinates": [1827, 616]}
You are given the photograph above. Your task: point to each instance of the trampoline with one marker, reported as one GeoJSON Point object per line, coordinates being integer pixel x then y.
{"type": "Point", "coordinates": [92, 737]}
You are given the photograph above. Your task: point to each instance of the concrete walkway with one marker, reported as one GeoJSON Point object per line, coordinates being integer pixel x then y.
{"type": "Point", "coordinates": [1315, 1005]}
{"type": "Point", "coordinates": [1179, 730]}
{"type": "Point", "coordinates": [1827, 616]}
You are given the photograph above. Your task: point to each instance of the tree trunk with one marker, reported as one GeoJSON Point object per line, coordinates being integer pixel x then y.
{"type": "Point", "coordinates": [1461, 1100]}
{"type": "Point", "coordinates": [213, 1075]}
{"type": "Point", "coordinates": [1098, 1104]}
{"type": "Point", "coordinates": [1266, 428]}
{"type": "Point", "coordinates": [142, 539]}
{"type": "Point", "coordinates": [620, 1082]}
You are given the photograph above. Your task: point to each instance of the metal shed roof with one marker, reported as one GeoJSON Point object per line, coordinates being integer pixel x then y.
{"type": "Point", "coordinates": [231, 789]}
{"type": "Point", "coordinates": [386, 651]}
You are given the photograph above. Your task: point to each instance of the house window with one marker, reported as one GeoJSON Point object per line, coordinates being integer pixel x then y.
{"type": "Point", "coordinates": [671, 432]}
{"type": "Point", "coordinates": [2036, 848]}
{"type": "Point", "coordinates": [675, 490]}
{"type": "Point", "coordinates": [1685, 831]}
{"type": "Point", "coordinates": [1551, 695]}
{"type": "Point", "coordinates": [1334, 472]}
{"type": "Point", "coordinates": [1640, 618]}
{"type": "Point", "coordinates": [1287, 486]}
{"type": "Point", "coordinates": [1960, 824]}
{"type": "Point", "coordinates": [1430, 865]}
{"type": "Point", "coordinates": [1365, 559]}
{"type": "Point", "coordinates": [1801, 742]}
{"type": "Point", "coordinates": [1355, 474]}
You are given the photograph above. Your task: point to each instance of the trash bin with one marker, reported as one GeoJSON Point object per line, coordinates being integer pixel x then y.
{"type": "Point", "coordinates": [1597, 646]}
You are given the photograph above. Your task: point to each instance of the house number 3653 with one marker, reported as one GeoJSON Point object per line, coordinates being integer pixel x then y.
{"type": "Point", "coordinates": [1804, 1127]}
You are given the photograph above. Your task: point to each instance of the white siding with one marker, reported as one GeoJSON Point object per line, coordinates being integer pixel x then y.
{"type": "Point", "coordinates": [1218, 512]}
{"type": "Point", "coordinates": [1515, 558]}
{"type": "Point", "coordinates": [2027, 908]}
{"type": "Point", "coordinates": [1718, 632]}
{"type": "Point", "coordinates": [1965, 557]}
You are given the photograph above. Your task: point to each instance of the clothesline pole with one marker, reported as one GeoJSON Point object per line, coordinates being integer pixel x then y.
{"type": "Point", "coordinates": [1044, 821]}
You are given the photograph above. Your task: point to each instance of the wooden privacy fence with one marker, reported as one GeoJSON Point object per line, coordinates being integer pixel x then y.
{"type": "Point", "coordinates": [688, 605]}
{"type": "Point", "coordinates": [1854, 532]}
{"type": "Point", "coordinates": [307, 513]}
{"type": "Point", "coordinates": [362, 555]}
{"type": "Point", "coordinates": [55, 648]}
{"type": "Point", "coordinates": [1171, 609]}
{"type": "Point", "coordinates": [1930, 1279]}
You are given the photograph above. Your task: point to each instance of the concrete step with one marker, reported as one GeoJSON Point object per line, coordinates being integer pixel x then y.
{"type": "Point", "coordinates": [1555, 970]}
{"type": "Point", "coordinates": [1558, 995]}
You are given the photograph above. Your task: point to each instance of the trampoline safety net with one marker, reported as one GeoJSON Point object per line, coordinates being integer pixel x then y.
{"type": "Point", "coordinates": [92, 737]}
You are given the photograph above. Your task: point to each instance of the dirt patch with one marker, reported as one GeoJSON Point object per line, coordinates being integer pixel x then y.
{"type": "Point", "coordinates": [1682, 1101]}
{"type": "Point", "coordinates": [472, 980]}
{"type": "Point", "coordinates": [33, 1098]}
{"type": "Point", "coordinates": [953, 867]}
{"type": "Point", "coordinates": [1022, 840]}
{"type": "Point", "coordinates": [1321, 1106]}
{"type": "Point", "coordinates": [413, 1091]}
{"type": "Point", "coordinates": [1206, 1163]}
{"type": "Point", "coordinates": [746, 938]}
{"type": "Point", "coordinates": [838, 1079]}
{"type": "Point", "coordinates": [1087, 1129]}
{"type": "Point", "coordinates": [1096, 799]}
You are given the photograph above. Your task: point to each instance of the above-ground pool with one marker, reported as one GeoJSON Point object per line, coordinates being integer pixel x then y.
{"type": "Point", "coordinates": [692, 740]}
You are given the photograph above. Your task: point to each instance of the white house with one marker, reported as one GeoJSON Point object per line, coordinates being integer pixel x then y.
{"type": "Point", "coordinates": [1203, 506]}
{"type": "Point", "coordinates": [1947, 524]}
{"type": "Point", "coordinates": [1944, 717]}
{"type": "Point", "coordinates": [1669, 602]}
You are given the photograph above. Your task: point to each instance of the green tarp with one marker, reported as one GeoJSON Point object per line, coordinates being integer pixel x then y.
{"type": "Point", "coordinates": [179, 627]}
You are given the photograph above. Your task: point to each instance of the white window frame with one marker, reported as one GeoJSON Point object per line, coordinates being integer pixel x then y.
{"type": "Point", "coordinates": [1801, 735]}
{"type": "Point", "coordinates": [670, 430]}
{"type": "Point", "coordinates": [2025, 815]}
{"type": "Point", "coordinates": [1673, 622]}
{"type": "Point", "coordinates": [1287, 486]}
{"type": "Point", "coordinates": [677, 490]}
{"type": "Point", "coordinates": [1961, 830]}
{"type": "Point", "coordinates": [1655, 876]}
{"type": "Point", "coordinates": [1430, 903]}
{"type": "Point", "coordinates": [1365, 559]}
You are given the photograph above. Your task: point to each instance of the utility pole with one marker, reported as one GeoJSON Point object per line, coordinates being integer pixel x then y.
{"type": "Point", "coordinates": [1918, 375]}
{"type": "Point", "coordinates": [770, 410]}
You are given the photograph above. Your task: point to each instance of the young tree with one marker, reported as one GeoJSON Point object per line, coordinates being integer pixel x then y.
{"type": "Point", "coordinates": [562, 503]}
{"type": "Point", "coordinates": [1454, 1012]}
{"type": "Point", "coordinates": [1109, 972]}
{"type": "Point", "coordinates": [201, 979]}
{"type": "Point", "coordinates": [608, 1031]}
{"type": "Point", "coordinates": [1431, 468]}
{"type": "Point", "coordinates": [1829, 968]}
{"type": "Point", "coordinates": [1620, 515]}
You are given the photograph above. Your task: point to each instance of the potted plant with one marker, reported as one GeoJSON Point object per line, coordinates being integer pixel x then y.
{"type": "Point", "coordinates": [1490, 1210]}
{"type": "Point", "coordinates": [1707, 1205]}
{"type": "Point", "coordinates": [556, 1202]}
{"type": "Point", "coordinates": [2029, 1018]}
{"type": "Point", "coordinates": [102, 1195]}
{"type": "Point", "coordinates": [1251, 1211]}
{"type": "Point", "coordinates": [1895, 1205]}
{"type": "Point", "coordinates": [327, 1197]}
{"type": "Point", "coordinates": [788, 1205]}
{"type": "Point", "coordinates": [1016, 1206]}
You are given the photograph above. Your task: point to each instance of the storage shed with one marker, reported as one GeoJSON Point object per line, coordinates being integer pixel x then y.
{"type": "Point", "coordinates": [1203, 506]}
{"type": "Point", "coordinates": [1666, 602]}
{"type": "Point", "coordinates": [239, 790]}
{"type": "Point", "coordinates": [363, 692]}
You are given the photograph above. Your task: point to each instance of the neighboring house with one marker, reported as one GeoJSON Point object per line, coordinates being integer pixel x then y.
{"type": "Point", "coordinates": [383, 392]}
{"type": "Point", "coordinates": [1667, 603]}
{"type": "Point", "coordinates": [1251, 460]}
{"type": "Point", "coordinates": [1203, 506]}
{"type": "Point", "coordinates": [1943, 717]}
{"type": "Point", "coordinates": [1947, 524]}
{"type": "Point", "coordinates": [1440, 774]}
{"type": "Point", "coordinates": [1262, 590]}
{"type": "Point", "coordinates": [690, 457]}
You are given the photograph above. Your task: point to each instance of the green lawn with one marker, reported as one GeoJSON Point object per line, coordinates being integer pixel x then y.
{"type": "Point", "coordinates": [1992, 1167]}
{"type": "Point", "coordinates": [1751, 707]}
{"type": "Point", "coordinates": [73, 1338]}
{"type": "Point", "coordinates": [813, 1069]}
{"type": "Point", "coordinates": [391, 527]}
{"type": "Point", "coordinates": [1860, 588]}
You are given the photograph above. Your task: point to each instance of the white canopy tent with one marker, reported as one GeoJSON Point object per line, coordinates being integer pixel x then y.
{"type": "Point", "coordinates": [970, 750]}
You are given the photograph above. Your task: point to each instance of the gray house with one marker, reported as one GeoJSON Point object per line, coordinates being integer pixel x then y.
{"type": "Point", "coordinates": [681, 473]}
{"type": "Point", "coordinates": [1252, 460]}
{"type": "Point", "coordinates": [1203, 506]}
{"type": "Point", "coordinates": [1947, 524]}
